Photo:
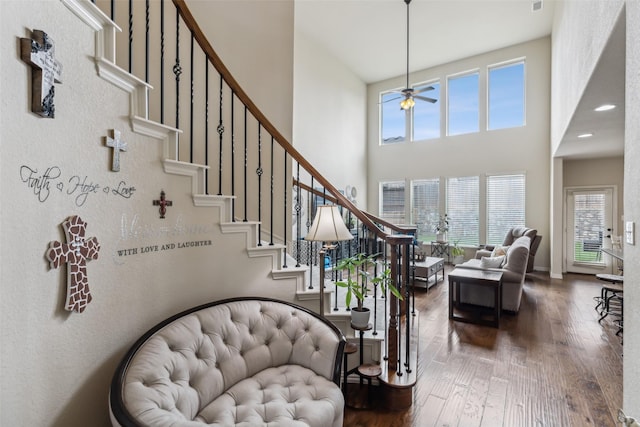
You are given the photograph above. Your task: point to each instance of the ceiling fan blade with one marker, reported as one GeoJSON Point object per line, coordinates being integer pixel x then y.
{"type": "Point", "coordinates": [424, 98]}
{"type": "Point", "coordinates": [392, 99]}
{"type": "Point", "coordinates": [424, 89]}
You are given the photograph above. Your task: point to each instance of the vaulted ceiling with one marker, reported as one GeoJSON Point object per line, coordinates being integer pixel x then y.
{"type": "Point", "coordinates": [369, 37]}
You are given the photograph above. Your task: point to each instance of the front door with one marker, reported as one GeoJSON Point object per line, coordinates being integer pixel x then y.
{"type": "Point", "coordinates": [589, 229]}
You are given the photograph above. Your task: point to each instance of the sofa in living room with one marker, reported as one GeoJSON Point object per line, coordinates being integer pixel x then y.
{"type": "Point", "coordinates": [511, 236]}
{"type": "Point", "coordinates": [243, 361]}
{"type": "Point", "coordinates": [512, 261]}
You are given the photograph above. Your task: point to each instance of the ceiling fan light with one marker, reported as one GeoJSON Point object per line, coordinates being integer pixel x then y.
{"type": "Point", "coordinates": [407, 103]}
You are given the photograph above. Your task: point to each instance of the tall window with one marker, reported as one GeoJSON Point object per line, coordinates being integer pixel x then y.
{"type": "Point", "coordinates": [425, 203]}
{"type": "Point", "coordinates": [505, 205]}
{"type": "Point", "coordinates": [393, 119]}
{"type": "Point", "coordinates": [506, 96]}
{"type": "Point", "coordinates": [426, 116]}
{"type": "Point", "coordinates": [392, 202]}
{"type": "Point", "coordinates": [463, 111]}
{"type": "Point", "coordinates": [463, 209]}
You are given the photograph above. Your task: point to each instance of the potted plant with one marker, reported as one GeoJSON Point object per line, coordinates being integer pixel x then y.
{"type": "Point", "coordinates": [352, 264]}
{"type": "Point", "coordinates": [357, 267]}
{"type": "Point", "coordinates": [457, 252]}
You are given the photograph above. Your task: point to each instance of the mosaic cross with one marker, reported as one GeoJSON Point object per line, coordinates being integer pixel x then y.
{"type": "Point", "coordinates": [163, 203]}
{"type": "Point", "coordinates": [75, 253]}
{"type": "Point", "coordinates": [39, 53]}
{"type": "Point", "coordinates": [118, 145]}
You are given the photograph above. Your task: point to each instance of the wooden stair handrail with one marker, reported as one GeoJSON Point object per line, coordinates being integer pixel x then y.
{"type": "Point", "coordinates": [237, 90]}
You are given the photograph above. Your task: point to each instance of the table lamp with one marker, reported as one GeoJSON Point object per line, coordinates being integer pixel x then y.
{"type": "Point", "coordinates": [328, 227]}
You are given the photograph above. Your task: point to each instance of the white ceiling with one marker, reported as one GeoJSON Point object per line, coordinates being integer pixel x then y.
{"type": "Point", "coordinates": [369, 36]}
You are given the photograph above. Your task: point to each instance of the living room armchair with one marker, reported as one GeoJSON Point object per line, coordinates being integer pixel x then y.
{"type": "Point", "coordinates": [513, 234]}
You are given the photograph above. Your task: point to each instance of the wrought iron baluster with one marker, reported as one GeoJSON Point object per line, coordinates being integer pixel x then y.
{"type": "Point", "coordinates": [245, 164]}
{"type": "Point", "coordinates": [177, 70]}
{"type": "Point", "coordinates": [206, 124]}
{"type": "Point", "coordinates": [113, 10]}
{"type": "Point", "coordinates": [233, 158]}
{"type": "Point", "coordinates": [146, 43]}
{"type": "Point", "coordinates": [286, 212]}
{"type": "Point", "coordinates": [298, 208]}
{"type": "Point", "coordinates": [130, 35]}
{"type": "Point", "coordinates": [271, 196]}
{"type": "Point", "coordinates": [220, 134]}
{"type": "Point", "coordinates": [162, 62]}
{"type": "Point", "coordinates": [191, 110]}
{"type": "Point", "coordinates": [310, 217]}
{"type": "Point", "coordinates": [259, 172]}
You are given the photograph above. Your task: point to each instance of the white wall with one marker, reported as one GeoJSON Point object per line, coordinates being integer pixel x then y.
{"type": "Point", "coordinates": [524, 149]}
{"type": "Point", "coordinates": [56, 366]}
{"type": "Point", "coordinates": [631, 385]}
{"type": "Point", "coordinates": [330, 116]}
{"type": "Point", "coordinates": [259, 52]}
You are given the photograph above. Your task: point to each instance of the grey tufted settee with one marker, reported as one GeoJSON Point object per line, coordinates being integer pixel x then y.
{"type": "Point", "coordinates": [236, 362]}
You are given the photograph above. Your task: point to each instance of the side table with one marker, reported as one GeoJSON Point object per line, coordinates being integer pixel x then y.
{"type": "Point", "coordinates": [472, 277]}
{"type": "Point", "coordinates": [440, 249]}
{"type": "Point", "coordinates": [368, 371]}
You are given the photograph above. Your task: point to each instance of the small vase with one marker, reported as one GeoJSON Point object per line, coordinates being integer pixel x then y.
{"type": "Point", "coordinates": [360, 317]}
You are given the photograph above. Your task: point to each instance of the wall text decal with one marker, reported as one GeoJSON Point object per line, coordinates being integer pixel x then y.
{"type": "Point", "coordinates": [80, 187]}
{"type": "Point", "coordinates": [75, 254]}
{"type": "Point", "coordinates": [39, 53]}
{"type": "Point", "coordinates": [137, 238]}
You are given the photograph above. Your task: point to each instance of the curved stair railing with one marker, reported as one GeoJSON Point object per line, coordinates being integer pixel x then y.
{"type": "Point", "coordinates": [217, 135]}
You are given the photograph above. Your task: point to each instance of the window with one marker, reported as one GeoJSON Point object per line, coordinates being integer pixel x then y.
{"type": "Point", "coordinates": [425, 203]}
{"type": "Point", "coordinates": [392, 202]}
{"type": "Point", "coordinates": [506, 96]}
{"type": "Point", "coordinates": [505, 205]}
{"type": "Point", "coordinates": [463, 209]}
{"type": "Point", "coordinates": [462, 104]}
{"type": "Point", "coordinates": [426, 116]}
{"type": "Point", "coordinates": [393, 119]}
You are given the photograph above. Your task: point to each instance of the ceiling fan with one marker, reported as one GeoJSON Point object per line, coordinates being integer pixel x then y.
{"type": "Point", "coordinates": [409, 94]}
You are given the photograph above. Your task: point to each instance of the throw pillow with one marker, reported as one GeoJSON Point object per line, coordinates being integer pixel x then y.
{"type": "Point", "coordinates": [492, 262]}
{"type": "Point", "coordinates": [499, 251]}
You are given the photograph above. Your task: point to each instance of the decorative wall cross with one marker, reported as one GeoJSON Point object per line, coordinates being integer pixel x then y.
{"type": "Point", "coordinates": [39, 53]}
{"type": "Point", "coordinates": [118, 145]}
{"type": "Point", "coordinates": [75, 253]}
{"type": "Point", "coordinates": [163, 203]}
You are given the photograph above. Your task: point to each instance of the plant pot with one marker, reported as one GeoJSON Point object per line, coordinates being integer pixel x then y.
{"type": "Point", "coordinates": [441, 237]}
{"type": "Point", "coordinates": [457, 259]}
{"type": "Point", "coordinates": [360, 317]}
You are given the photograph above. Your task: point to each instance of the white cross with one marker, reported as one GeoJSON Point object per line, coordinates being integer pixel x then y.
{"type": "Point", "coordinates": [118, 145]}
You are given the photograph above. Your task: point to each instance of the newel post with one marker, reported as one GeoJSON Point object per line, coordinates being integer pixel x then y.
{"type": "Point", "coordinates": [399, 253]}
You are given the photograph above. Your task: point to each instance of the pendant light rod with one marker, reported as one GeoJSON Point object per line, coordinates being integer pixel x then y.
{"type": "Point", "coordinates": [407, 2]}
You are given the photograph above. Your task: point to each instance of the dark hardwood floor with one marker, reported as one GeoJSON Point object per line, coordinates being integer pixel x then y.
{"type": "Point", "coordinates": [552, 364]}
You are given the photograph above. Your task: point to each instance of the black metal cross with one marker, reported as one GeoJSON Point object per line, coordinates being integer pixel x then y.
{"type": "Point", "coordinates": [39, 53]}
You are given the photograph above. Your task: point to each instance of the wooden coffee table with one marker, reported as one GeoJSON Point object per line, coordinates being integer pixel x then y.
{"type": "Point", "coordinates": [472, 277]}
{"type": "Point", "coordinates": [425, 270]}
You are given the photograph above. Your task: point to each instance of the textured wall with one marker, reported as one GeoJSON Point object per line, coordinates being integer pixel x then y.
{"type": "Point", "coordinates": [631, 385]}
{"type": "Point", "coordinates": [56, 366]}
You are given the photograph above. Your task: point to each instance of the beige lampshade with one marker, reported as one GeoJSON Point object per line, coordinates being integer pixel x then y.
{"type": "Point", "coordinates": [328, 226]}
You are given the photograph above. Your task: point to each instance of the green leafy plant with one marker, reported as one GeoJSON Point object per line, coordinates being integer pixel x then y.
{"type": "Point", "coordinates": [457, 250]}
{"type": "Point", "coordinates": [357, 267]}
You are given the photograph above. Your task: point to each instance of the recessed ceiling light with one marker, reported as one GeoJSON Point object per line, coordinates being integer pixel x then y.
{"type": "Point", "coordinates": [585, 135]}
{"type": "Point", "coordinates": [605, 107]}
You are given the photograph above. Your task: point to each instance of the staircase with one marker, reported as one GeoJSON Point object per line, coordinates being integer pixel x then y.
{"type": "Point", "coordinates": [241, 166]}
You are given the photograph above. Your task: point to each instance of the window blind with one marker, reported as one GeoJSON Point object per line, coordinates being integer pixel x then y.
{"type": "Point", "coordinates": [425, 207]}
{"type": "Point", "coordinates": [463, 209]}
{"type": "Point", "coordinates": [392, 202]}
{"type": "Point", "coordinates": [505, 205]}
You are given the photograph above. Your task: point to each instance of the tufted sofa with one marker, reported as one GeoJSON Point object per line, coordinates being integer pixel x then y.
{"type": "Point", "coordinates": [236, 362]}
